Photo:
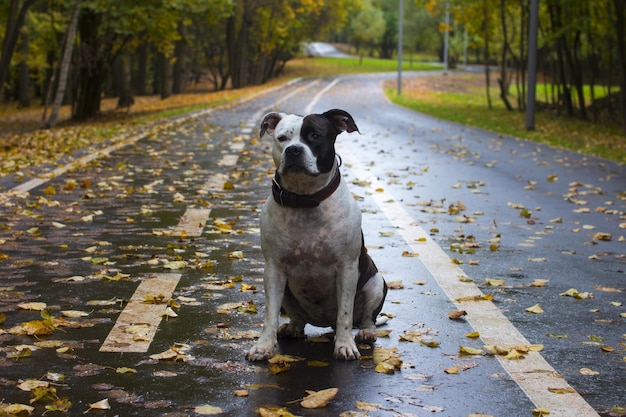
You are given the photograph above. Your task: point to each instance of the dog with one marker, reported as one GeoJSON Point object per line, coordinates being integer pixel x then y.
{"type": "Point", "coordinates": [317, 269]}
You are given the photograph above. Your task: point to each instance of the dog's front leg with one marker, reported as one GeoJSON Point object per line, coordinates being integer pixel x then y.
{"type": "Point", "coordinates": [345, 347]}
{"type": "Point", "coordinates": [274, 284]}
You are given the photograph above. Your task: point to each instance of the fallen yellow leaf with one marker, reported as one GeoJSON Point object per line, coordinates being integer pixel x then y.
{"type": "Point", "coordinates": [32, 306]}
{"type": "Point", "coordinates": [235, 255]}
{"type": "Point", "coordinates": [429, 343]}
{"type": "Point", "coordinates": [274, 412]}
{"type": "Point", "coordinates": [453, 370]}
{"type": "Point", "coordinates": [317, 364]}
{"type": "Point", "coordinates": [278, 358]}
{"type": "Point", "coordinates": [481, 297]}
{"type": "Point", "coordinates": [362, 405]}
{"type": "Point", "coordinates": [207, 410]}
{"type": "Point", "coordinates": [16, 409]}
{"type": "Point", "coordinates": [567, 390]}
{"type": "Point", "coordinates": [31, 384]}
{"type": "Point", "coordinates": [514, 355]}
{"type": "Point", "coordinates": [319, 399]}
{"type": "Point", "coordinates": [466, 350]}
{"type": "Point", "coordinates": [536, 309]}
{"type": "Point", "coordinates": [395, 285]}
{"type": "Point", "coordinates": [100, 405]}
{"type": "Point", "coordinates": [457, 314]}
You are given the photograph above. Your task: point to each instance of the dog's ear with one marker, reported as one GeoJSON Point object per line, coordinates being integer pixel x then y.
{"type": "Point", "coordinates": [269, 123]}
{"type": "Point", "coordinates": [342, 120]}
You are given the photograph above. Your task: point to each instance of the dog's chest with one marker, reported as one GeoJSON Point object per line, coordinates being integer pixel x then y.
{"type": "Point", "coordinates": [312, 244]}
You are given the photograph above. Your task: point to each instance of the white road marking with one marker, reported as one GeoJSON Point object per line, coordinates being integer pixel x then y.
{"type": "Point", "coordinates": [137, 324]}
{"type": "Point", "coordinates": [308, 109]}
{"type": "Point", "coordinates": [238, 146]}
{"type": "Point", "coordinates": [228, 160]}
{"type": "Point", "coordinates": [533, 374]}
{"type": "Point", "coordinates": [191, 223]}
{"type": "Point", "coordinates": [214, 183]}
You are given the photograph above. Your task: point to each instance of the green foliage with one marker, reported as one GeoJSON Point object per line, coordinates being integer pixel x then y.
{"type": "Point", "coordinates": [368, 25]}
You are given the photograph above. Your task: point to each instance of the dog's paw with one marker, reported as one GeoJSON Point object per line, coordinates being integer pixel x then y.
{"type": "Point", "coordinates": [260, 352]}
{"type": "Point", "coordinates": [289, 331]}
{"type": "Point", "coordinates": [366, 336]}
{"type": "Point", "coordinates": [346, 352]}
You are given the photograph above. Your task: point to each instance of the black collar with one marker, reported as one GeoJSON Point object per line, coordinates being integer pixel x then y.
{"type": "Point", "coordinates": [288, 199]}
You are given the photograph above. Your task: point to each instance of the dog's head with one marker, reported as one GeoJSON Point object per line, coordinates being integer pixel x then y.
{"type": "Point", "coordinates": [306, 145]}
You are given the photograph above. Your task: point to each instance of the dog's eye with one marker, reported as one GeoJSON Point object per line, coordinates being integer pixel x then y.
{"type": "Point", "coordinates": [314, 136]}
{"type": "Point", "coordinates": [282, 138]}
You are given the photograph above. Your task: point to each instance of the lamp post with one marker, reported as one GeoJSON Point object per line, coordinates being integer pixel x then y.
{"type": "Point", "coordinates": [532, 64]}
{"type": "Point", "coordinates": [445, 40]}
{"type": "Point", "coordinates": [400, 7]}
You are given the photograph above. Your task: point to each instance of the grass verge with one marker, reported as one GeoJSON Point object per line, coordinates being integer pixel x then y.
{"type": "Point", "coordinates": [440, 96]}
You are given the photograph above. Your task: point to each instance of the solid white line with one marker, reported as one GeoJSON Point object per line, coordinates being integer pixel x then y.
{"type": "Point", "coordinates": [533, 374]}
{"type": "Point", "coordinates": [137, 324]}
{"type": "Point", "coordinates": [309, 108]}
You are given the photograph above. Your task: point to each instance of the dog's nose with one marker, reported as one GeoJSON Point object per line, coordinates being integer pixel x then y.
{"type": "Point", "coordinates": [293, 150]}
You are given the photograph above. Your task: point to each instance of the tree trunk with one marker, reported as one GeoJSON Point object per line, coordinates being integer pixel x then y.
{"type": "Point", "coordinates": [620, 33]}
{"type": "Point", "coordinates": [487, 72]}
{"type": "Point", "coordinates": [565, 93]}
{"type": "Point", "coordinates": [231, 50]}
{"type": "Point", "coordinates": [141, 76]}
{"type": "Point", "coordinates": [503, 81]}
{"type": "Point", "coordinates": [23, 91]}
{"type": "Point", "coordinates": [93, 68]}
{"type": "Point", "coordinates": [238, 48]}
{"type": "Point", "coordinates": [65, 66]}
{"type": "Point", "coordinates": [166, 76]}
{"type": "Point", "coordinates": [181, 69]}
{"type": "Point", "coordinates": [15, 22]}
{"type": "Point", "coordinates": [523, 48]}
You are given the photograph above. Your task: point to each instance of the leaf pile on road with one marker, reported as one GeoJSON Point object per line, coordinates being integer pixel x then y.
{"type": "Point", "coordinates": [25, 144]}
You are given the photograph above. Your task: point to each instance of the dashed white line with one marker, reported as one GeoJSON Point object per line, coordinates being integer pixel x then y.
{"type": "Point", "coordinates": [137, 324]}
{"type": "Point", "coordinates": [214, 183]}
{"type": "Point", "coordinates": [237, 146]}
{"type": "Point", "coordinates": [192, 222]}
{"type": "Point", "coordinates": [228, 160]}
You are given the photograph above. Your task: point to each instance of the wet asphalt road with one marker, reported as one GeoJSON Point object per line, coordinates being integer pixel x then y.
{"type": "Point", "coordinates": [527, 213]}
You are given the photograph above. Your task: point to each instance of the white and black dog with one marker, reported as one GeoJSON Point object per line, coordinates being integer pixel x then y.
{"type": "Point", "coordinates": [317, 269]}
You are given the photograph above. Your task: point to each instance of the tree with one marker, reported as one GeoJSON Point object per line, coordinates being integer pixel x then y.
{"type": "Point", "coordinates": [619, 23]}
{"type": "Point", "coordinates": [367, 27]}
{"type": "Point", "coordinates": [106, 29]}
{"type": "Point", "coordinates": [64, 66]}
{"type": "Point", "coordinates": [15, 21]}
